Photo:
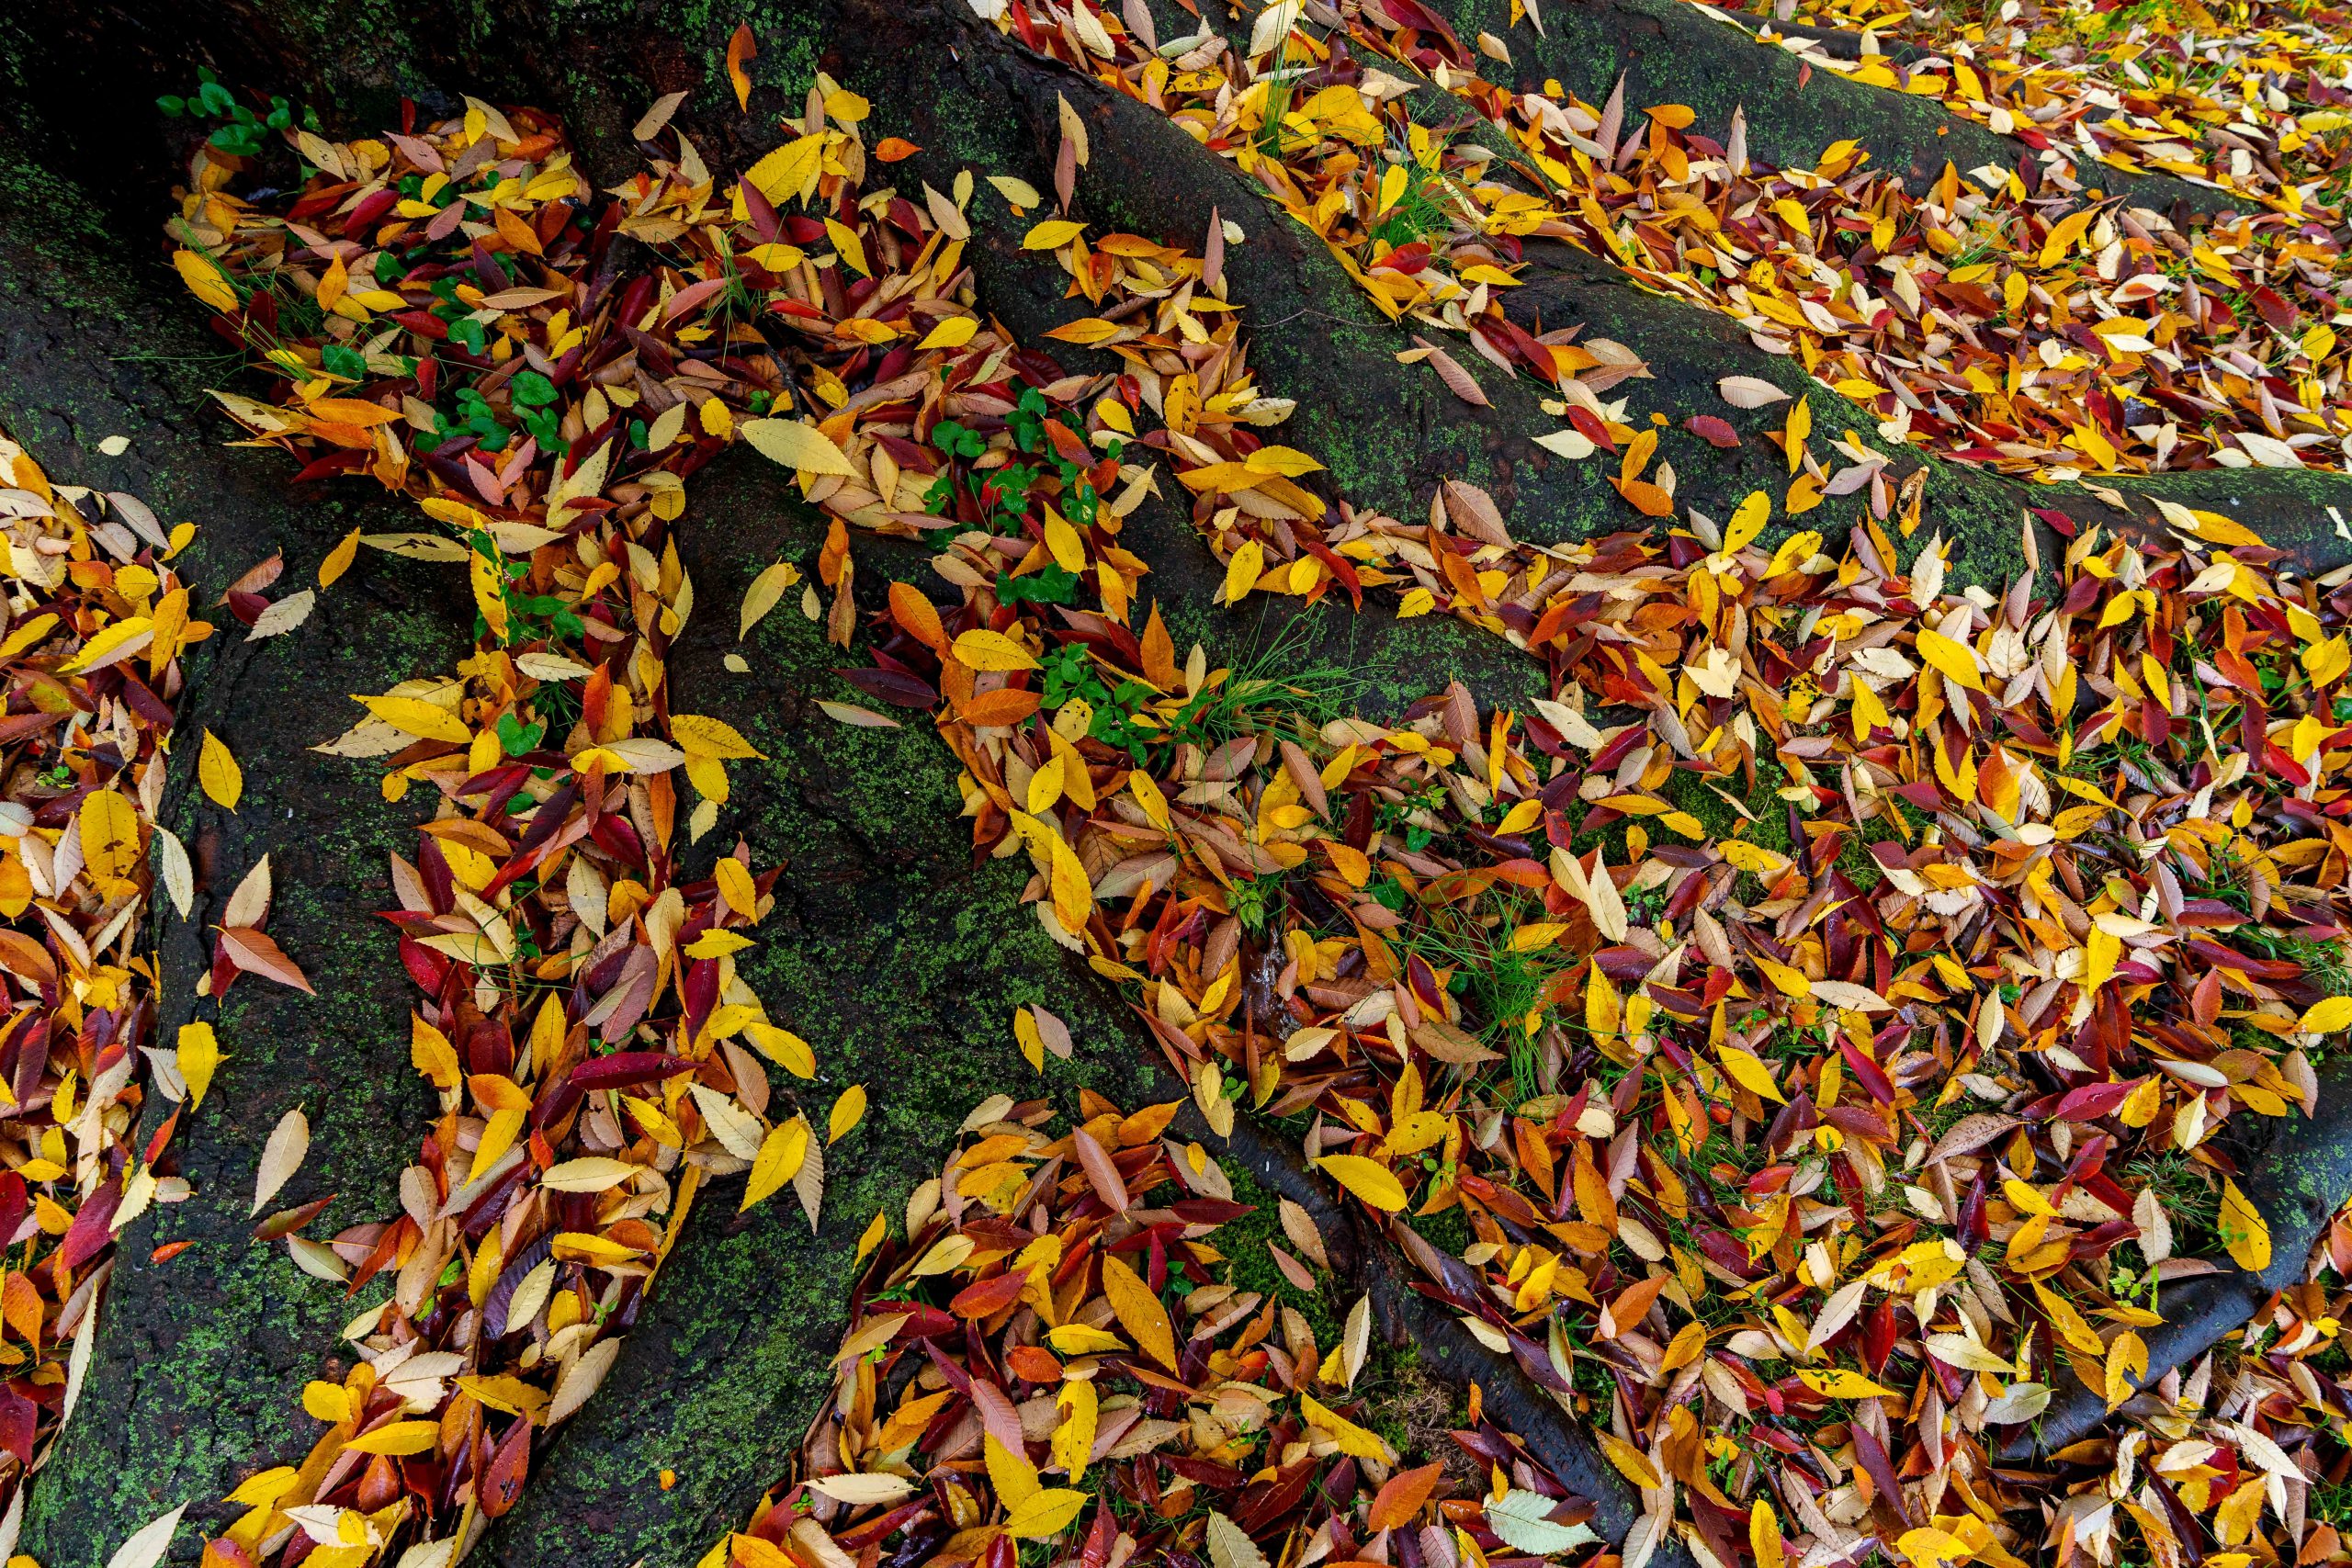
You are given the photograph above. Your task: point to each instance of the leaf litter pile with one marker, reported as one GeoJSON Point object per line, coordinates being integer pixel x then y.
{"type": "Point", "coordinates": [1811, 1031]}
{"type": "Point", "coordinates": [1997, 316]}
{"type": "Point", "coordinates": [2250, 100]}
{"type": "Point", "coordinates": [1018, 1356]}
{"type": "Point", "coordinates": [578, 1013]}
{"type": "Point", "coordinates": [92, 634]}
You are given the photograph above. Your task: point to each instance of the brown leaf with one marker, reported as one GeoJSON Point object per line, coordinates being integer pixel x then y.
{"type": "Point", "coordinates": [1474, 512]}
{"type": "Point", "coordinates": [1969, 1132]}
{"type": "Point", "coordinates": [1299, 1225]}
{"type": "Point", "coordinates": [1457, 381]}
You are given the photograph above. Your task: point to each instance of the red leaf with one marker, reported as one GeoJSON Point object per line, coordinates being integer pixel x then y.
{"type": "Point", "coordinates": [1713, 431]}
{"type": "Point", "coordinates": [990, 1296]}
{"type": "Point", "coordinates": [502, 1484]}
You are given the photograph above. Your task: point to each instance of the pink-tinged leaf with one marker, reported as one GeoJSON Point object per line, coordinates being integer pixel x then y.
{"type": "Point", "coordinates": [1713, 431]}
{"type": "Point", "coordinates": [1297, 1273]}
{"type": "Point", "coordinates": [1052, 1033]}
{"type": "Point", "coordinates": [257, 952]}
{"type": "Point", "coordinates": [1101, 1173]}
{"type": "Point", "coordinates": [1449, 370]}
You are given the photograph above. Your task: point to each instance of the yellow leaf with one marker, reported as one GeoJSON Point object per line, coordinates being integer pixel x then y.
{"type": "Point", "coordinates": [1139, 1311]}
{"type": "Point", "coordinates": [2071, 1326]}
{"type": "Point", "coordinates": [1764, 1536]}
{"type": "Point", "coordinates": [1750, 1074]}
{"type": "Point", "coordinates": [1047, 1513]}
{"type": "Point", "coordinates": [2244, 1230]}
{"type": "Point", "coordinates": [1367, 1180]}
{"type": "Point", "coordinates": [2330, 1016]}
{"type": "Point", "coordinates": [1788, 980]}
{"type": "Point", "coordinates": [415, 716]}
{"type": "Point", "coordinates": [109, 833]}
{"type": "Point", "coordinates": [2326, 662]}
{"type": "Point", "coordinates": [1079, 1340]}
{"type": "Point", "coordinates": [1074, 1439]}
{"type": "Point", "coordinates": [399, 1437]}
{"type": "Point", "coordinates": [717, 944]}
{"type": "Point", "coordinates": [200, 1058]}
{"type": "Point", "coordinates": [1800, 427]}
{"type": "Point", "coordinates": [761, 596]}
{"type": "Point", "coordinates": [1747, 521]}
{"type": "Point", "coordinates": [1241, 573]}
{"type": "Point", "coordinates": [699, 735]}
{"type": "Point", "coordinates": [1631, 1462]}
{"type": "Point", "coordinates": [216, 770]}
{"type": "Point", "coordinates": [1052, 235]}
{"type": "Point", "coordinates": [1046, 786]}
{"type": "Point", "coordinates": [848, 1111]}
{"type": "Point", "coordinates": [205, 280]}
{"type": "Point", "coordinates": [269, 1485]}
{"type": "Point", "coordinates": [1352, 1439]}
{"type": "Point", "coordinates": [802, 447]}
{"type": "Point", "coordinates": [783, 1047]}
{"type": "Point", "coordinates": [1289, 462]}
{"type": "Point", "coordinates": [1010, 1472]}
{"type": "Point", "coordinates": [1086, 330]}
{"type": "Point", "coordinates": [1016, 191]}
{"type": "Point", "coordinates": [339, 560]}
{"type": "Point", "coordinates": [790, 169]}
{"type": "Point", "coordinates": [982, 649]}
{"type": "Point", "coordinates": [1956, 661]}
{"type": "Point", "coordinates": [954, 332]}
{"type": "Point", "coordinates": [876, 1233]}
{"type": "Point", "coordinates": [847, 241]}
{"type": "Point", "coordinates": [782, 1154]}
{"type": "Point", "coordinates": [2063, 234]}
{"type": "Point", "coordinates": [1934, 1548]}
{"type": "Point", "coordinates": [430, 1052]}
{"type": "Point", "coordinates": [1836, 1384]}
{"type": "Point", "coordinates": [735, 886]}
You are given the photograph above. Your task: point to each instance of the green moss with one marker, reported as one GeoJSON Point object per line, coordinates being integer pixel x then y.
{"type": "Point", "coordinates": [1250, 1267]}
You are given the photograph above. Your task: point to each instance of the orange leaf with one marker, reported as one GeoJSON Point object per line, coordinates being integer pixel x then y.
{"type": "Point", "coordinates": [1638, 456]}
{"type": "Point", "coordinates": [893, 149]}
{"type": "Point", "coordinates": [918, 616]}
{"type": "Point", "coordinates": [740, 49]}
{"type": "Point", "coordinates": [1403, 1496]}
{"type": "Point", "coordinates": [1633, 1303]}
{"type": "Point", "coordinates": [1650, 501]}
{"type": "Point", "coordinates": [257, 952]}
{"type": "Point", "coordinates": [999, 708]}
